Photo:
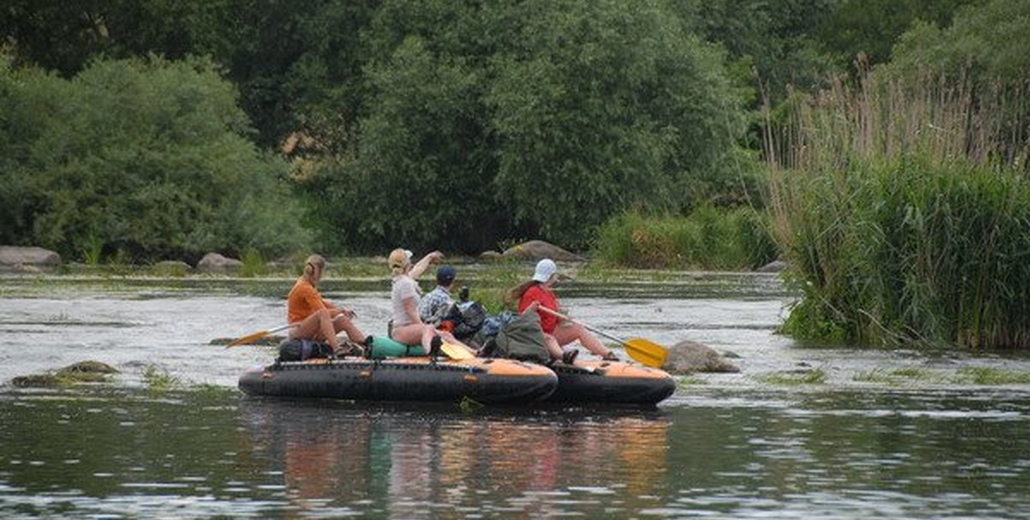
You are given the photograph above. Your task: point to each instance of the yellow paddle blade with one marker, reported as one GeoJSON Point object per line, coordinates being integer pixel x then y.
{"type": "Point", "coordinates": [456, 351]}
{"type": "Point", "coordinates": [646, 351]}
{"type": "Point", "coordinates": [248, 338]}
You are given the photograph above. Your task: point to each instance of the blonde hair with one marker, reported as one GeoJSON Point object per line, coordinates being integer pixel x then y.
{"type": "Point", "coordinates": [313, 262]}
{"type": "Point", "coordinates": [398, 260]}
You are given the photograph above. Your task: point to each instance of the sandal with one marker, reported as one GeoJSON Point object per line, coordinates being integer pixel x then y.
{"type": "Point", "coordinates": [569, 356]}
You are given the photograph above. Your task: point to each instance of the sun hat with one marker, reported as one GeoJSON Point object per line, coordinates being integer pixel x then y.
{"type": "Point", "coordinates": [446, 274]}
{"type": "Point", "coordinates": [399, 258]}
{"type": "Point", "coordinates": [545, 269]}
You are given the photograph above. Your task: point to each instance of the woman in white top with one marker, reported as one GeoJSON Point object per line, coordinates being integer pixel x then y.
{"type": "Point", "coordinates": [408, 327]}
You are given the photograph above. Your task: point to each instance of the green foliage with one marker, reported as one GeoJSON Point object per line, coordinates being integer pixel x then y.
{"type": "Point", "coordinates": [477, 128]}
{"type": "Point", "coordinates": [986, 54]}
{"type": "Point", "coordinates": [143, 157]}
{"type": "Point", "coordinates": [872, 27]}
{"type": "Point", "coordinates": [253, 263]}
{"type": "Point", "coordinates": [710, 238]}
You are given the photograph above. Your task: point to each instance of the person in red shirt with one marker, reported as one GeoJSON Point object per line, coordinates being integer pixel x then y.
{"type": "Point", "coordinates": [537, 292]}
{"type": "Point", "coordinates": [315, 317]}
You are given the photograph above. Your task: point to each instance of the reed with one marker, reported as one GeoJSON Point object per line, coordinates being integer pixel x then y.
{"type": "Point", "coordinates": [904, 212]}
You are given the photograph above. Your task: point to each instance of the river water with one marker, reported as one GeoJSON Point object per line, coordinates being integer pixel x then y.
{"type": "Point", "coordinates": [725, 445]}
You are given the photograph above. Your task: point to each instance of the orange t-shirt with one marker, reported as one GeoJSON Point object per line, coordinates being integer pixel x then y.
{"type": "Point", "coordinates": [304, 300]}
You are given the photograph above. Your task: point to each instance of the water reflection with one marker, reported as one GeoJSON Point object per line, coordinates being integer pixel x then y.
{"type": "Point", "coordinates": [417, 463]}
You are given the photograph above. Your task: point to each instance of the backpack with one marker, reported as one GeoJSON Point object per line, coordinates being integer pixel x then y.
{"type": "Point", "coordinates": [303, 349]}
{"type": "Point", "coordinates": [521, 338]}
{"type": "Point", "coordinates": [464, 319]}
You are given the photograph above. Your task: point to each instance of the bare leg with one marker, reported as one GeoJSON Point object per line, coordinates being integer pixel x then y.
{"type": "Point", "coordinates": [553, 348]}
{"type": "Point", "coordinates": [567, 332]}
{"type": "Point", "coordinates": [317, 326]}
{"type": "Point", "coordinates": [344, 323]}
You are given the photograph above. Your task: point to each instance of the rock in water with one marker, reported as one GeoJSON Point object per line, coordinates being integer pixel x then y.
{"type": "Point", "coordinates": [688, 356]}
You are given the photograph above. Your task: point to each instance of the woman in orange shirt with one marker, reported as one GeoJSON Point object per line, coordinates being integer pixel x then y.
{"type": "Point", "coordinates": [314, 317]}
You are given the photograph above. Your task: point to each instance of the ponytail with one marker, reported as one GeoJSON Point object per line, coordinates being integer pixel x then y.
{"type": "Point", "coordinates": [311, 264]}
{"type": "Point", "coordinates": [515, 293]}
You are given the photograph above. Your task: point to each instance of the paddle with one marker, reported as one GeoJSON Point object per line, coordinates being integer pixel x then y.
{"type": "Point", "coordinates": [640, 349]}
{"type": "Point", "coordinates": [254, 336]}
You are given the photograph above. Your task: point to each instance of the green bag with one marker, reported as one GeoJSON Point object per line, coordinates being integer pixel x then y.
{"type": "Point", "coordinates": [522, 339]}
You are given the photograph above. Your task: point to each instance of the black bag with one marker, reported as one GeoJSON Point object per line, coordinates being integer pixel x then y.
{"type": "Point", "coordinates": [465, 318]}
{"type": "Point", "coordinates": [303, 349]}
{"type": "Point", "coordinates": [522, 339]}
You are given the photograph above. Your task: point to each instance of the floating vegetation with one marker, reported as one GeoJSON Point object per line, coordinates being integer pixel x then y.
{"type": "Point", "coordinates": [814, 376]}
{"type": "Point", "coordinates": [690, 381]}
{"type": "Point", "coordinates": [469, 405]}
{"type": "Point", "coordinates": [994, 376]}
{"type": "Point", "coordinates": [81, 372]}
{"type": "Point", "coordinates": [963, 376]}
{"type": "Point", "coordinates": [901, 376]}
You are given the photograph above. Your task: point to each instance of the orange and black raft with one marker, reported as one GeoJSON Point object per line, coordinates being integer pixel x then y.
{"type": "Point", "coordinates": [487, 381]}
{"type": "Point", "coordinates": [605, 382]}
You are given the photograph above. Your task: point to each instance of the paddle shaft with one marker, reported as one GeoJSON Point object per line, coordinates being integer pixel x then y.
{"type": "Point", "coordinates": [640, 349]}
{"type": "Point", "coordinates": [253, 336]}
{"type": "Point", "coordinates": [585, 326]}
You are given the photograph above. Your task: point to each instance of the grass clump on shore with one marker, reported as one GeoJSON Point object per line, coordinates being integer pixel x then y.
{"type": "Point", "coordinates": [900, 222]}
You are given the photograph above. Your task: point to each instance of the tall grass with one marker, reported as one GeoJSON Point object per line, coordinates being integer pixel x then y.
{"type": "Point", "coordinates": [710, 238]}
{"type": "Point", "coordinates": [899, 219]}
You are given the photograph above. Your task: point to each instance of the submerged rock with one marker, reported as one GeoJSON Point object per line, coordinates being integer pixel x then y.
{"type": "Point", "coordinates": [688, 357]}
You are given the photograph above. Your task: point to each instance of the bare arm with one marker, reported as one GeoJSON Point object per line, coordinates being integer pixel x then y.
{"type": "Point", "coordinates": [423, 264]}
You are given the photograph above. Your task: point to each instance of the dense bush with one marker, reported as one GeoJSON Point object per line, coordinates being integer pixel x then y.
{"type": "Point", "coordinates": [146, 157]}
{"type": "Point", "coordinates": [710, 238]}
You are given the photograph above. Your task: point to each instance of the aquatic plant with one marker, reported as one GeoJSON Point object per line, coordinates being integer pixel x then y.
{"type": "Point", "coordinates": [899, 223]}
{"type": "Point", "coordinates": [994, 376]}
{"type": "Point", "coordinates": [469, 405]}
{"type": "Point", "coordinates": [814, 376]}
{"type": "Point", "coordinates": [158, 380]}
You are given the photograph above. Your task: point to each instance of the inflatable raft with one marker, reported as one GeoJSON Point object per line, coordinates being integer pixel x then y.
{"type": "Point", "coordinates": [487, 381]}
{"type": "Point", "coordinates": [611, 383]}
{"type": "Point", "coordinates": [398, 372]}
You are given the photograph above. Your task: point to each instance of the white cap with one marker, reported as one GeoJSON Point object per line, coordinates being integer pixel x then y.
{"type": "Point", "coordinates": [545, 269]}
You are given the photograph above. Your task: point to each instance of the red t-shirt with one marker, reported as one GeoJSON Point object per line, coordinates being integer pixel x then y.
{"type": "Point", "coordinates": [547, 298]}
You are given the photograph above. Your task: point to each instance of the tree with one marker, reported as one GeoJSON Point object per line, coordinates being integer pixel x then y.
{"type": "Point", "coordinates": [536, 117]}
{"type": "Point", "coordinates": [143, 156]}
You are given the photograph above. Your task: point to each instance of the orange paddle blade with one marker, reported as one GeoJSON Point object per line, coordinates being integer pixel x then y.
{"type": "Point", "coordinates": [254, 336]}
{"type": "Point", "coordinates": [646, 351]}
